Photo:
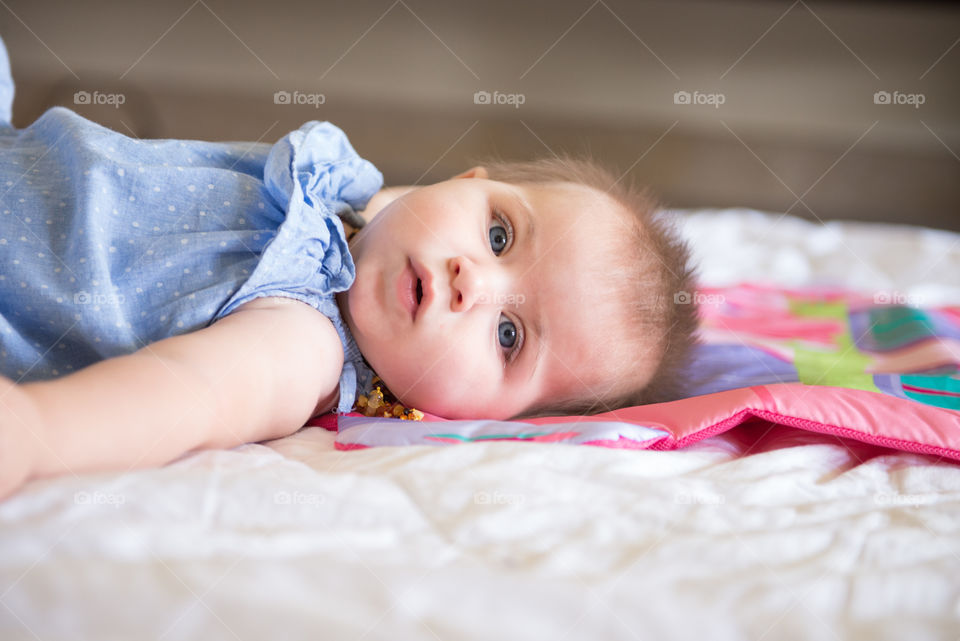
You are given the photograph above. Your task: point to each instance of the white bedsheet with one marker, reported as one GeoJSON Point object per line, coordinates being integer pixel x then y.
{"type": "Point", "coordinates": [800, 538]}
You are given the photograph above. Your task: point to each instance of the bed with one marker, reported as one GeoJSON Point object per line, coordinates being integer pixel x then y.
{"type": "Point", "coordinates": [759, 532]}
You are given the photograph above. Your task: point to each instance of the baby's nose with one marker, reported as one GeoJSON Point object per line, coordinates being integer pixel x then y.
{"type": "Point", "coordinates": [469, 284]}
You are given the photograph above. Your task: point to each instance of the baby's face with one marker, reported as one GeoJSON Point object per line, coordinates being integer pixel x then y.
{"type": "Point", "coordinates": [477, 298]}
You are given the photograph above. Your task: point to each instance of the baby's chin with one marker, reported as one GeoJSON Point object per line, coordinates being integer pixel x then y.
{"type": "Point", "coordinates": [430, 401]}
{"type": "Point", "coordinates": [414, 391]}
{"type": "Point", "coordinates": [444, 407]}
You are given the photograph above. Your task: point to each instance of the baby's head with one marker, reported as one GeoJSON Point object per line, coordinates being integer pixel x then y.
{"type": "Point", "coordinates": [520, 289]}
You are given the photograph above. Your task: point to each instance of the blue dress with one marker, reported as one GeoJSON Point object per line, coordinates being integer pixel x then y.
{"type": "Point", "coordinates": [108, 243]}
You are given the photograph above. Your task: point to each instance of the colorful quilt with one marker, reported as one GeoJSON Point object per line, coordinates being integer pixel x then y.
{"type": "Point", "coordinates": [880, 368]}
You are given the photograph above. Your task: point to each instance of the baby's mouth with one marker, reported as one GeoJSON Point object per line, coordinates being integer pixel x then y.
{"type": "Point", "coordinates": [419, 291]}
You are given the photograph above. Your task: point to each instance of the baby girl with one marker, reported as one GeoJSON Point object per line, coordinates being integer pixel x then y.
{"type": "Point", "coordinates": [163, 296]}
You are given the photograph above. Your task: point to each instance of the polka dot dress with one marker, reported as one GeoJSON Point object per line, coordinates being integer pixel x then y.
{"type": "Point", "coordinates": [108, 243]}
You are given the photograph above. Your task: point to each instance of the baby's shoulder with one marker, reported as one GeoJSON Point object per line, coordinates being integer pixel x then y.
{"type": "Point", "coordinates": [303, 343]}
{"type": "Point", "coordinates": [283, 311]}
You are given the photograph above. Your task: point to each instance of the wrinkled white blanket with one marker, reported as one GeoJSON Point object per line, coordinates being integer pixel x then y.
{"type": "Point", "coordinates": [789, 536]}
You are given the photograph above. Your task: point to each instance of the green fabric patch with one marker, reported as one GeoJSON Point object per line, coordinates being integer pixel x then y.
{"type": "Point", "coordinates": [844, 366]}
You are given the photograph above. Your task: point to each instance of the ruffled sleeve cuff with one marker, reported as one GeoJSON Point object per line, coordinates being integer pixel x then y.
{"type": "Point", "coordinates": [313, 174]}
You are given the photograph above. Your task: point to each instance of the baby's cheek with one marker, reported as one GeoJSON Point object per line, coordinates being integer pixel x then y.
{"type": "Point", "coordinates": [438, 395]}
{"type": "Point", "coordinates": [444, 382]}
{"type": "Point", "coordinates": [466, 402]}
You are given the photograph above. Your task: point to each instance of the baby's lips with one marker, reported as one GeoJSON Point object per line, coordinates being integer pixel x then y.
{"type": "Point", "coordinates": [426, 284]}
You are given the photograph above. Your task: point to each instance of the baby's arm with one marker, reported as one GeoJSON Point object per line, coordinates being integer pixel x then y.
{"type": "Point", "coordinates": [256, 374]}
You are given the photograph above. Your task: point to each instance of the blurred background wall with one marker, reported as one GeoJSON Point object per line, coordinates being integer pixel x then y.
{"type": "Point", "coordinates": [845, 110]}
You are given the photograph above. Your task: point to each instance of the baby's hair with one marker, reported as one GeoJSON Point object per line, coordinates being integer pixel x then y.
{"type": "Point", "coordinates": [652, 274]}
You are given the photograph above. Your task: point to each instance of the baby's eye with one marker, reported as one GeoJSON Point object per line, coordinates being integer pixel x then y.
{"type": "Point", "coordinates": [501, 233]}
{"type": "Point", "coordinates": [507, 332]}
{"type": "Point", "coordinates": [509, 337]}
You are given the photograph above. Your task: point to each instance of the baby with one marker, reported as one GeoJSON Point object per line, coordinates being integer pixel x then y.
{"type": "Point", "coordinates": [163, 296]}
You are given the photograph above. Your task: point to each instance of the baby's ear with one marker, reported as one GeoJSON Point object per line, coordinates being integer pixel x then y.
{"type": "Point", "coordinates": [476, 172]}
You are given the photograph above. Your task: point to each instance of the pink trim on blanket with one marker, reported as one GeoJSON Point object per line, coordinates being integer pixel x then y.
{"type": "Point", "coordinates": [349, 446]}
{"type": "Point", "coordinates": [873, 439]}
{"type": "Point", "coordinates": [717, 428]}
{"type": "Point", "coordinates": [743, 415]}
